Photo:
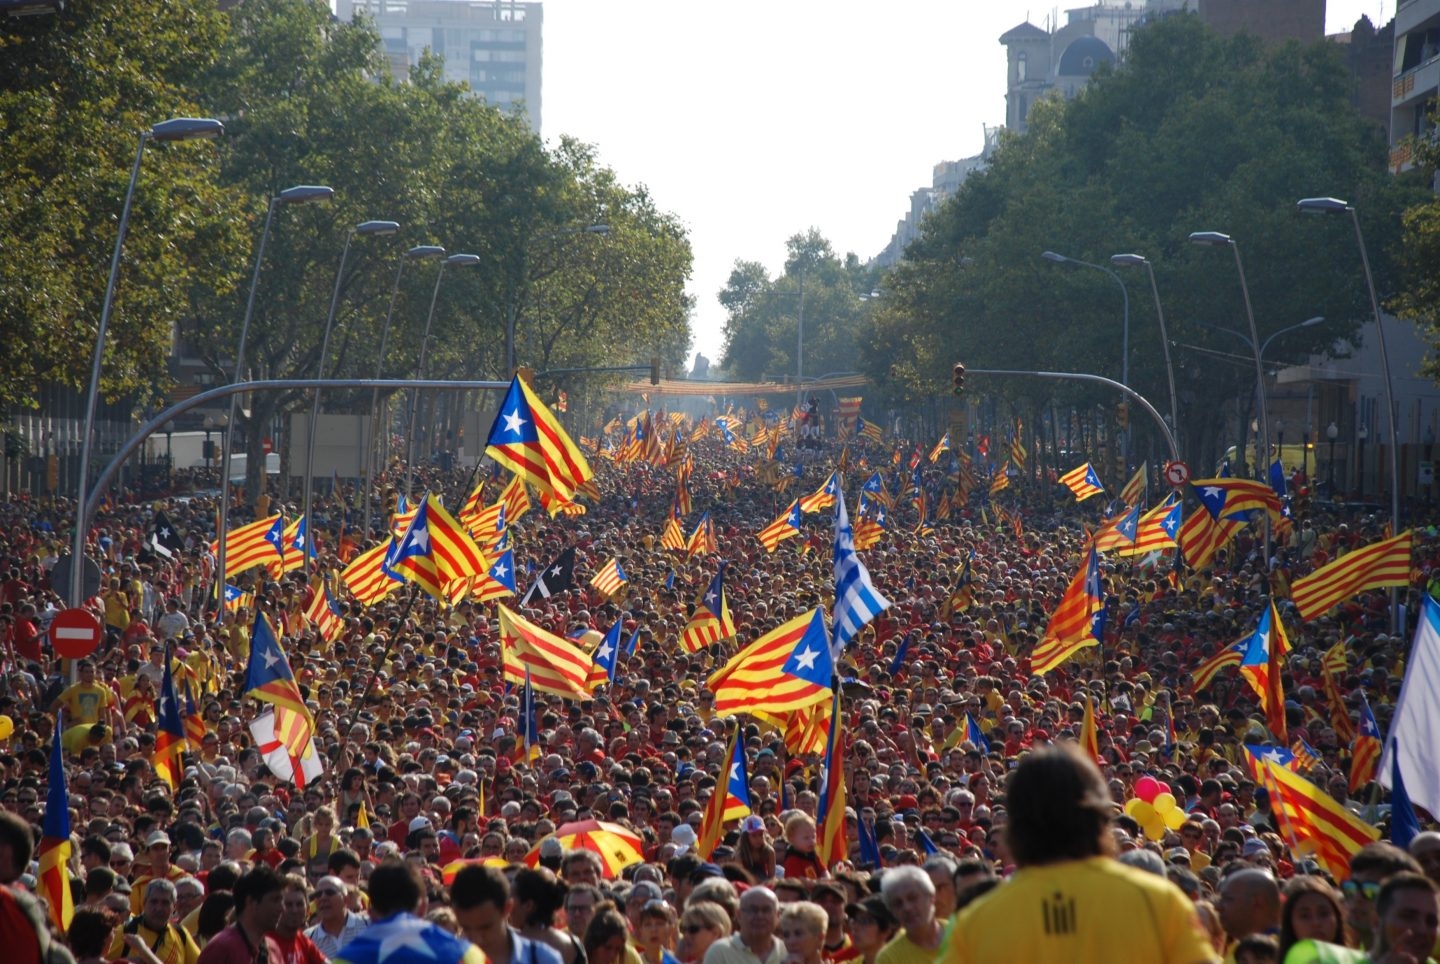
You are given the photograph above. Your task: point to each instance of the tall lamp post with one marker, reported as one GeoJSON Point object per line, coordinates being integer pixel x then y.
{"type": "Point", "coordinates": [1361, 434]}
{"type": "Point", "coordinates": [1332, 432]}
{"type": "Point", "coordinates": [179, 129]}
{"type": "Point", "coordinates": [512, 307]}
{"type": "Point", "coordinates": [418, 253]}
{"type": "Point", "coordinates": [1134, 260]}
{"type": "Point", "coordinates": [1331, 205]}
{"type": "Point", "coordinates": [459, 261]}
{"type": "Point", "coordinates": [369, 229]}
{"type": "Point", "coordinates": [1125, 296]}
{"type": "Point", "coordinates": [300, 194]}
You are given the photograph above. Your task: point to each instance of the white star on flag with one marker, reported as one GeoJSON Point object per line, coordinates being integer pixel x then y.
{"type": "Point", "coordinates": [806, 659]}
{"type": "Point", "coordinates": [513, 421]}
{"type": "Point", "coordinates": [499, 571]}
{"type": "Point", "coordinates": [405, 934]}
{"type": "Point", "coordinates": [271, 658]}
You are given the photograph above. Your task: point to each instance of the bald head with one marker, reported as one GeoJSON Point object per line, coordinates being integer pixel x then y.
{"type": "Point", "coordinates": [1249, 903]}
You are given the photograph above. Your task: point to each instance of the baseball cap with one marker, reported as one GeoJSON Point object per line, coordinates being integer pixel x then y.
{"type": "Point", "coordinates": [156, 839]}
{"type": "Point", "coordinates": [751, 824]}
{"type": "Point", "coordinates": [419, 823]}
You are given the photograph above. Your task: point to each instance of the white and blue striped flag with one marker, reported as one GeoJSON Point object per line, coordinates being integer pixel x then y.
{"type": "Point", "coordinates": [856, 599]}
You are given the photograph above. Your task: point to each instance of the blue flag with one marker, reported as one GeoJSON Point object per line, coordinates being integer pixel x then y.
{"type": "Point", "coordinates": [927, 846]}
{"type": "Point", "coordinates": [975, 734]}
{"type": "Point", "coordinates": [869, 849]}
{"type": "Point", "coordinates": [898, 662]}
{"type": "Point", "coordinates": [608, 650]}
{"type": "Point", "coordinates": [1404, 824]}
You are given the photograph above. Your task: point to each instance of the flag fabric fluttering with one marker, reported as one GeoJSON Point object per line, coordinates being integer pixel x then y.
{"type": "Point", "coordinates": [1261, 666]}
{"type": "Point", "coordinates": [605, 658]}
{"type": "Point", "coordinates": [367, 577]}
{"type": "Point", "coordinates": [941, 446]}
{"type": "Point", "coordinates": [789, 668]}
{"type": "Point", "coordinates": [702, 540]}
{"type": "Point", "coordinates": [1071, 626]}
{"type": "Point", "coordinates": [976, 735]}
{"type": "Point", "coordinates": [1411, 745]}
{"type": "Point", "coordinates": [287, 766]}
{"type": "Point", "coordinates": [268, 678]}
{"type": "Point", "coordinates": [857, 601]}
{"type": "Point", "coordinates": [253, 544]}
{"type": "Point", "coordinates": [785, 527]}
{"type": "Point", "coordinates": [53, 879]}
{"type": "Point", "coordinates": [165, 540]}
{"type": "Point", "coordinates": [1206, 672]}
{"type": "Point", "coordinates": [170, 729]}
{"type": "Point", "coordinates": [1309, 815]}
{"type": "Point", "coordinates": [723, 801]}
{"type": "Point", "coordinates": [711, 621]}
{"type": "Point", "coordinates": [527, 439]}
{"type": "Point", "coordinates": [554, 578]}
{"type": "Point", "coordinates": [1365, 751]}
{"type": "Point", "coordinates": [1083, 482]}
{"type": "Point", "coordinates": [1378, 565]}
{"type": "Point", "coordinates": [823, 497]}
{"type": "Point", "coordinates": [556, 665]}
{"type": "Point", "coordinates": [1134, 491]}
{"type": "Point", "coordinates": [1201, 537]}
{"type": "Point", "coordinates": [324, 614]}
{"type": "Point", "coordinates": [1404, 824]}
{"type": "Point", "coordinates": [608, 580]}
{"type": "Point", "coordinates": [832, 845]}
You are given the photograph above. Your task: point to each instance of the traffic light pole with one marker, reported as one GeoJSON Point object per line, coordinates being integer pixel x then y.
{"type": "Point", "coordinates": [1141, 400]}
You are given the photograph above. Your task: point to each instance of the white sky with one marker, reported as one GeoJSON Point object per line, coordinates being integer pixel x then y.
{"type": "Point", "coordinates": [753, 120]}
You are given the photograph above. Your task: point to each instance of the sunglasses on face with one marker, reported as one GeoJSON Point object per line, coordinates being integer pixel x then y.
{"type": "Point", "coordinates": [1369, 890]}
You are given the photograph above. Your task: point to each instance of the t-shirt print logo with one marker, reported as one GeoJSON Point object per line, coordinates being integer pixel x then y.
{"type": "Point", "coordinates": [1059, 913]}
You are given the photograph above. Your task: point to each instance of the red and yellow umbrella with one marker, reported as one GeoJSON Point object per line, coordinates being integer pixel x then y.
{"type": "Point", "coordinates": [448, 872]}
{"type": "Point", "coordinates": [618, 847]}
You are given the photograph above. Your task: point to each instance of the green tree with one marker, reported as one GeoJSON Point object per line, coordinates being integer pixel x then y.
{"type": "Point", "coordinates": [1418, 295]}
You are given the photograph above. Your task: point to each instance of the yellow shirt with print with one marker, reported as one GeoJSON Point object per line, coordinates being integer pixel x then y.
{"type": "Point", "coordinates": [175, 946]}
{"type": "Point", "coordinates": [87, 704]}
{"type": "Point", "coordinates": [1090, 910]}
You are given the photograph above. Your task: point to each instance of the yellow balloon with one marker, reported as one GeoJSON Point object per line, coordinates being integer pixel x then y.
{"type": "Point", "coordinates": [1143, 812]}
{"type": "Point", "coordinates": [1163, 803]}
{"type": "Point", "coordinates": [1131, 804]}
{"type": "Point", "coordinates": [1174, 818]}
{"type": "Point", "coordinates": [7, 727]}
{"type": "Point", "coordinates": [1154, 827]}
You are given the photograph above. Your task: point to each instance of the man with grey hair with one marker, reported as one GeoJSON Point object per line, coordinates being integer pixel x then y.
{"type": "Point", "coordinates": [171, 943]}
{"type": "Point", "coordinates": [717, 890]}
{"type": "Point", "coordinates": [909, 895]}
{"type": "Point", "coordinates": [754, 941]}
{"type": "Point", "coordinates": [336, 924]}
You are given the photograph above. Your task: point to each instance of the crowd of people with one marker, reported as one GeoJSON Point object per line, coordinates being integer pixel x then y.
{"type": "Point", "coordinates": [431, 832]}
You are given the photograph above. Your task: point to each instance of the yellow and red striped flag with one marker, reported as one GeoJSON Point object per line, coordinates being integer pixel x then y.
{"type": "Point", "coordinates": [1206, 672]}
{"type": "Point", "coordinates": [702, 540]}
{"type": "Point", "coordinates": [609, 579]}
{"type": "Point", "coordinates": [1071, 626]}
{"type": "Point", "coordinates": [1089, 738]}
{"type": "Point", "coordinates": [53, 880]}
{"type": "Point", "coordinates": [673, 537]}
{"type": "Point", "coordinates": [1134, 491]}
{"type": "Point", "coordinates": [725, 801]}
{"type": "Point", "coordinates": [555, 665]}
{"type": "Point", "coordinates": [474, 505]}
{"type": "Point", "coordinates": [366, 577]}
{"type": "Point", "coordinates": [1261, 666]}
{"type": "Point", "coordinates": [1083, 482]}
{"type": "Point", "coordinates": [1156, 531]}
{"type": "Point", "coordinates": [1309, 815]}
{"type": "Point", "coordinates": [516, 499]}
{"type": "Point", "coordinates": [788, 668]}
{"type": "Point", "coordinates": [710, 622]}
{"type": "Point", "coordinates": [527, 439]}
{"type": "Point", "coordinates": [1365, 751]}
{"type": "Point", "coordinates": [785, 527]}
{"type": "Point", "coordinates": [170, 730]}
{"type": "Point", "coordinates": [324, 615]}
{"type": "Point", "coordinates": [256, 543]}
{"type": "Point", "coordinates": [940, 447]}
{"type": "Point", "coordinates": [1201, 537]}
{"type": "Point", "coordinates": [832, 842]}
{"type": "Point", "coordinates": [823, 497]}
{"type": "Point", "coordinates": [435, 550]}
{"type": "Point", "coordinates": [1380, 564]}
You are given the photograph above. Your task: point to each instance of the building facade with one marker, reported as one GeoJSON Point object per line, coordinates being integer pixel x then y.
{"type": "Point", "coordinates": [1415, 80]}
{"type": "Point", "coordinates": [492, 45]}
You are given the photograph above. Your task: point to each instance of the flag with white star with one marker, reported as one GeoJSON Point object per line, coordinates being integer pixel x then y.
{"type": "Point", "coordinates": [268, 679]}
{"type": "Point", "coordinates": [529, 440]}
{"type": "Point", "coordinates": [407, 939]}
{"type": "Point", "coordinates": [163, 537]}
{"type": "Point", "coordinates": [554, 578]}
{"type": "Point", "coordinates": [789, 668]}
{"type": "Point", "coordinates": [605, 657]}
{"type": "Point", "coordinates": [170, 734]}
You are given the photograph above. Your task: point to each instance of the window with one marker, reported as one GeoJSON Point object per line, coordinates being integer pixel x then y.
{"type": "Point", "coordinates": [1021, 65]}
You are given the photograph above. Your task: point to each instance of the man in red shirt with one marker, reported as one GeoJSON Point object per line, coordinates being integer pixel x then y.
{"type": "Point", "coordinates": [257, 911]}
{"type": "Point", "coordinates": [295, 947]}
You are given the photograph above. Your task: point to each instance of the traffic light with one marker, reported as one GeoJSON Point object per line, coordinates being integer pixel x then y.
{"type": "Point", "coordinates": [1122, 415]}
{"type": "Point", "coordinates": [654, 371]}
{"type": "Point", "coordinates": [958, 379]}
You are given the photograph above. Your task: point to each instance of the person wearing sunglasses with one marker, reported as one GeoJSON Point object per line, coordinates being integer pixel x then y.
{"type": "Point", "coordinates": [1371, 866]}
{"type": "Point", "coordinates": [337, 925]}
{"type": "Point", "coordinates": [703, 923]}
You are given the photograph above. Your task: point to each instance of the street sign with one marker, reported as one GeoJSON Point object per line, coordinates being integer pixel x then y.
{"type": "Point", "coordinates": [75, 633]}
{"type": "Point", "coordinates": [268, 445]}
{"type": "Point", "coordinates": [1177, 473]}
{"type": "Point", "coordinates": [89, 577]}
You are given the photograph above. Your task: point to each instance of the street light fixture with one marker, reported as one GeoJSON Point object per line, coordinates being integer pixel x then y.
{"type": "Point", "coordinates": [421, 252]}
{"type": "Point", "coordinates": [1332, 432]}
{"type": "Point", "coordinates": [512, 307]}
{"type": "Point", "coordinates": [369, 229]}
{"type": "Point", "coordinates": [1332, 205]}
{"type": "Point", "coordinates": [1361, 434]}
{"type": "Point", "coordinates": [178, 129]}
{"type": "Point", "coordinates": [1136, 260]}
{"type": "Point", "coordinates": [300, 194]}
{"type": "Point", "coordinates": [1124, 294]}
{"type": "Point", "coordinates": [459, 261]}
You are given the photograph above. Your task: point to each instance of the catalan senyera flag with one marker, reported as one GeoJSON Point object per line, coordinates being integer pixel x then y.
{"type": "Point", "coordinates": [527, 439]}
{"type": "Point", "coordinates": [1018, 454]}
{"type": "Point", "coordinates": [1261, 666]}
{"type": "Point", "coordinates": [268, 678]}
{"type": "Point", "coordinates": [170, 732]}
{"type": "Point", "coordinates": [710, 622]}
{"type": "Point", "coordinates": [1070, 628]}
{"type": "Point", "coordinates": [366, 577]}
{"type": "Point", "coordinates": [556, 666]}
{"type": "Point", "coordinates": [1229, 498]}
{"type": "Point", "coordinates": [1089, 737]}
{"type": "Point", "coordinates": [1083, 481]}
{"type": "Point", "coordinates": [325, 616]}
{"type": "Point", "coordinates": [712, 825]}
{"type": "Point", "coordinates": [702, 540]}
{"type": "Point", "coordinates": [1134, 491]}
{"type": "Point", "coordinates": [1206, 672]}
{"type": "Point", "coordinates": [487, 527]}
{"type": "Point", "coordinates": [1380, 564]}
{"type": "Point", "coordinates": [254, 544]}
{"type": "Point", "coordinates": [516, 499]}
{"type": "Point", "coordinates": [1201, 537]}
{"type": "Point", "coordinates": [785, 527]}
{"type": "Point", "coordinates": [823, 497]}
{"type": "Point", "coordinates": [1157, 530]}
{"type": "Point", "coordinates": [474, 505]}
{"type": "Point", "coordinates": [1000, 481]}
{"type": "Point", "coordinates": [673, 537]}
{"type": "Point", "coordinates": [832, 843]}
{"type": "Point", "coordinates": [1365, 751]}
{"type": "Point", "coordinates": [788, 668]}
{"type": "Point", "coordinates": [1309, 815]}
{"type": "Point", "coordinates": [435, 550]}
{"type": "Point", "coordinates": [1335, 660]}
{"type": "Point", "coordinates": [53, 880]}
{"type": "Point", "coordinates": [195, 728]}
{"type": "Point", "coordinates": [610, 577]}
{"type": "Point", "coordinates": [940, 447]}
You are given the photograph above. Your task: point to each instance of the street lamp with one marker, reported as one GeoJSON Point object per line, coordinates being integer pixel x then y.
{"type": "Point", "coordinates": [178, 129]}
{"type": "Point", "coordinates": [1134, 260]}
{"type": "Point", "coordinates": [512, 307]}
{"type": "Point", "coordinates": [366, 229]}
{"type": "Point", "coordinates": [421, 252]}
{"type": "Point", "coordinates": [1361, 434]}
{"type": "Point", "coordinates": [300, 194]}
{"type": "Point", "coordinates": [1332, 432]}
{"type": "Point", "coordinates": [209, 424]}
{"type": "Point", "coordinates": [1124, 294]}
{"type": "Point", "coordinates": [1331, 205]}
{"type": "Point", "coordinates": [169, 455]}
{"type": "Point", "coordinates": [459, 261]}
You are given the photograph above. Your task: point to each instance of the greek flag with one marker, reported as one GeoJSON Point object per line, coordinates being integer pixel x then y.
{"type": "Point", "coordinates": [856, 599]}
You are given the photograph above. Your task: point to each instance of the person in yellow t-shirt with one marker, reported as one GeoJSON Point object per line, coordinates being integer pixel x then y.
{"type": "Point", "coordinates": [86, 701]}
{"type": "Point", "coordinates": [1069, 901]}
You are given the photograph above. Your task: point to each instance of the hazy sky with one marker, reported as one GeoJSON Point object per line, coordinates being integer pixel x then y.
{"type": "Point", "coordinates": [753, 120]}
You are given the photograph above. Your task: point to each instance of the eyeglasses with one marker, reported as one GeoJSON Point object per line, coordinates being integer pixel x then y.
{"type": "Point", "coordinates": [328, 892]}
{"type": "Point", "coordinates": [1368, 889]}
{"type": "Point", "coordinates": [693, 929]}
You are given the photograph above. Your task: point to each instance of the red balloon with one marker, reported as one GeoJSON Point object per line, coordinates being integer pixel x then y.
{"type": "Point", "coordinates": [1148, 788]}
